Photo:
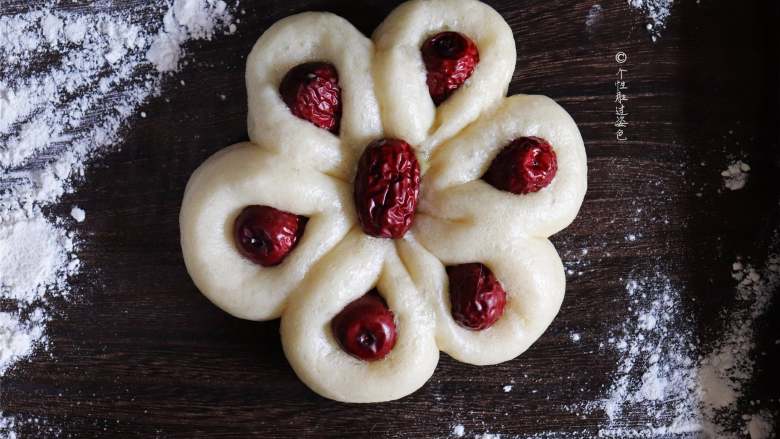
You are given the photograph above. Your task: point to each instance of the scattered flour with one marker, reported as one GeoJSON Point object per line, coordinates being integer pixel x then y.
{"type": "Point", "coordinates": [661, 374]}
{"type": "Point", "coordinates": [728, 367]}
{"type": "Point", "coordinates": [668, 383]}
{"type": "Point", "coordinates": [187, 19]}
{"type": "Point", "coordinates": [7, 426]}
{"type": "Point", "coordinates": [735, 176]}
{"type": "Point", "coordinates": [99, 68]}
{"type": "Point", "coordinates": [458, 430]}
{"type": "Point", "coordinates": [761, 426]}
{"type": "Point", "coordinates": [35, 254]}
{"type": "Point", "coordinates": [594, 17]}
{"type": "Point", "coordinates": [656, 375]}
{"type": "Point", "coordinates": [18, 338]}
{"type": "Point", "coordinates": [656, 11]}
{"type": "Point", "coordinates": [78, 214]}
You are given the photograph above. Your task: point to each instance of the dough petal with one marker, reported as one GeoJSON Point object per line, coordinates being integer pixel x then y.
{"type": "Point", "coordinates": [301, 38]}
{"type": "Point", "coordinates": [529, 269]}
{"type": "Point", "coordinates": [242, 175]}
{"type": "Point", "coordinates": [454, 190]}
{"type": "Point", "coordinates": [407, 109]}
{"type": "Point", "coordinates": [353, 268]}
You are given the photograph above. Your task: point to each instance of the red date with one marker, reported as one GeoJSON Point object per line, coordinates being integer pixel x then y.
{"type": "Point", "coordinates": [366, 328]}
{"type": "Point", "coordinates": [450, 58]}
{"type": "Point", "coordinates": [265, 235]}
{"type": "Point", "coordinates": [312, 92]}
{"type": "Point", "coordinates": [387, 186]}
{"type": "Point", "coordinates": [476, 297]}
{"type": "Point", "coordinates": [528, 164]}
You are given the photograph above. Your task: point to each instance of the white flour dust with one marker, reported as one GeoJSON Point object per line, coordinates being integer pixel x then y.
{"type": "Point", "coordinates": [656, 364]}
{"type": "Point", "coordinates": [70, 79]}
{"type": "Point", "coordinates": [594, 18]}
{"type": "Point", "coordinates": [656, 13]}
{"type": "Point", "coordinates": [761, 426]}
{"type": "Point", "coordinates": [735, 176]}
{"type": "Point", "coordinates": [726, 370]}
{"type": "Point", "coordinates": [458, 430]}
{"type": "Point", "coordinates": [78, 214]}
{"type": "Point", "coordinates": [668, 382]}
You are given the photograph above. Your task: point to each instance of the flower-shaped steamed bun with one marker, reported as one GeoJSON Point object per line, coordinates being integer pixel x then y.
{"type": "Point", "coordinates": [391, 202]}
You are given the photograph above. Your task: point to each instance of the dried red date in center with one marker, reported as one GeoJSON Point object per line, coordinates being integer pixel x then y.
{"type": "Point", "coordinates": [387, 186]}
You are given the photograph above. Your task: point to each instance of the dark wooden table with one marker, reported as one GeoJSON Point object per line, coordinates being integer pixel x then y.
{"type": "Point", "coordinates": [141, 353]}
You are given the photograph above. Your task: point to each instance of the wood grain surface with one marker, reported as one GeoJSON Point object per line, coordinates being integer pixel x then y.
{"type": "Point", "coordinates": [141, 353]}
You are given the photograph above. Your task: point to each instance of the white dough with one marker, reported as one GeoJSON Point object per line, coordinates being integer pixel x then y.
{"type": "Point", "coordinates": [408, 111]}
{"type": "Point", "coordinates": [219, 189]}
{"type": "Point", "coordinates": [357, 265]}
{"type": "Point", "coordinates": [313, 36]}
{"type": "Point", "coordinates": [453, 182]}
{"type": "Point", "coordinates": [296, 167]}
{"type": "Point", "coordinates": [529, 270]}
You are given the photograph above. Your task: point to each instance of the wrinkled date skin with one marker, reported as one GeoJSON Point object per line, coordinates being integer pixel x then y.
{"type": "Point", "coordinates": [387, 186]}
{"type": "Point", "coordinates": [476, 297]}
{"type": "Point", "coordinates": [528, 164]}
{"type": "Point", "coordinates": [366, 328]}
{"type": "Point", "coordinates": [450, 59]}
{"type": "Point", "coordinates": [312, 92]}
{"type": "Point", "coordinates": [265, 235]}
